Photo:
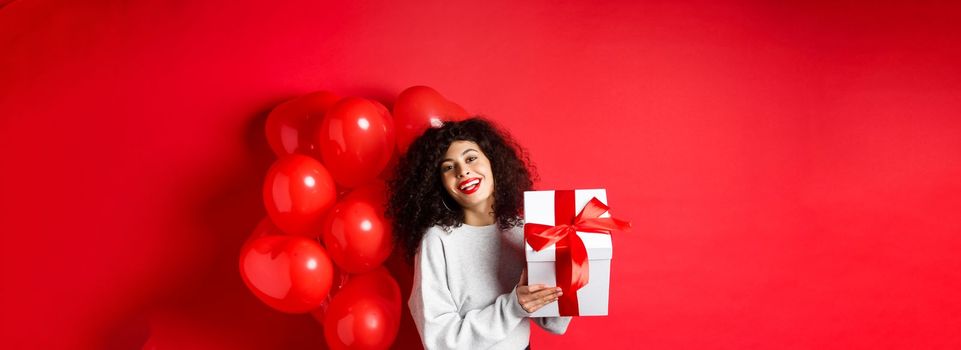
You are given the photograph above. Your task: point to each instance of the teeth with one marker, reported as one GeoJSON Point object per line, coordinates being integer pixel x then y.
{"type": "Point", "coordinates": [469, 184]}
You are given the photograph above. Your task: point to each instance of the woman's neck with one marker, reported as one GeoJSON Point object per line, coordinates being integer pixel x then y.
{"type": "Point", "coordinates": [481, 215]}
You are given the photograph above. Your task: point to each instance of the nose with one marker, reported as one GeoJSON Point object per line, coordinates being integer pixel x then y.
{"type": "Point", "coordinates": [464, 173]}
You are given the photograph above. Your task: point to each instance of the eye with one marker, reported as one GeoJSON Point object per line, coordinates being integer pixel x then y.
{"type": "Point", "coordinates": [471, 159]}
{"type": "Point", "coordinates": [446, 167]}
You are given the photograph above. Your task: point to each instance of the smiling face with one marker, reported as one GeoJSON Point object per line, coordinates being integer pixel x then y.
{"type": "Point", "coordinates": [466, 174]}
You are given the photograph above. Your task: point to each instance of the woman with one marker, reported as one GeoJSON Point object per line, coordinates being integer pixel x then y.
{"type": "Point", "coordinates": [455, 203]}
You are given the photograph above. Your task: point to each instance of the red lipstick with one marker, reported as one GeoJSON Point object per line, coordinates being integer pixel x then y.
{"type": "Point", "coordinates": [470, 185]}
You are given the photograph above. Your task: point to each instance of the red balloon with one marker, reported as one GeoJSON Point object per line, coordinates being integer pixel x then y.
{"type": "Point", "coordinates": [289, 273]}
{"type": "Point", "coordinates": [374, 192]}
{"type": "Point", "coordinates": [390, 169]}
{"type": "Point", "coordinates": [264, 228]}
{"type": "Point", "coordinates": [356, 139]}
{"type": "Point", "coordinates": [340, 280]}
{"type": "Point", "coordinates": [418, 108]}
{"type": "Point", "coordinates": [290, 125]}
{"type": "Point", "coordinates": [356, 233]}
{"type": "Point", "coordinates": [380, 107]}
{"type": "Point", "coordinates": [391, 166]}
{"type": "Point", "coordinates": [298, 191]}
{"type": "Point", "coordinates": [365, 314]}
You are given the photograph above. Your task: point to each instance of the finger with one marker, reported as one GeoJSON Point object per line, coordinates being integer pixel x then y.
{"type": "Point", "coordinates": [549, 297]}
{"type": "Point", "coordinates": [523, 281]}
{"type": "Point", "coordinates": [546, 291]}
{"type": "Point", "coordinates": [541, 298]}
{"type": "Point", "coordinates": [524, 293]}
{"type": "Point", "coordinates": [536, 287]}
{"type": "Point", "coordinates": [552, 297]}
{"type": "Point", "coordinates": [527, 297]}
{"type": "Point", "coordinates": [535, 305]}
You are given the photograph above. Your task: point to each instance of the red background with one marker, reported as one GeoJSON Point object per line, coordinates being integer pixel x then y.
{"type": "Point", "coordinates": [793, 172]}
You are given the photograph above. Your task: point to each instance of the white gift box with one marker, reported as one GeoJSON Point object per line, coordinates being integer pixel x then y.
{"type": "Point", "coordinates": [592, 298]}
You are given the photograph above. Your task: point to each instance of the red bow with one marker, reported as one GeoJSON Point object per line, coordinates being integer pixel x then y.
{"type": "Point", "coordinates": [571, 260]}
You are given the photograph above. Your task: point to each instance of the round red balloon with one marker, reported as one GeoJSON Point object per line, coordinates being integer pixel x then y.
{"type": "Point", "coordinates": [380, 107]}
{"type": "Point", "coordinates": [291, 124]}
{"type": "Point", "coordinates": [356, 233]}
{"type": "Point", "coordinates": [365, 314]}
{"type": "Point", "coordinates": [339, 281]}
{"type": "Point", "coordinates": [264, 228]}
{"type": "Point", "coordinates": [356, 140]}
{"type": "Point", "coordinates": [298, 191]}
{"type": "Point", "coordinates": [418, 108]}
{"type": "Point", "coordinates": [289, 273]}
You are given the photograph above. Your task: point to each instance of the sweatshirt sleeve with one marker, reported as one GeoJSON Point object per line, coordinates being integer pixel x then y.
{"type": "Point", "coordinates": [435, 313]}
{"type": "Point", "coordinates": [556, 325]}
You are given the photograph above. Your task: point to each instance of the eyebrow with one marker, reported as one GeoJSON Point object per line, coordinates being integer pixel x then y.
{"type": "Point", "coordinates": [462, 153]}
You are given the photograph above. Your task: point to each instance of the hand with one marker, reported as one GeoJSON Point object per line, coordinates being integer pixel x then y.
{"type": "Point", "coordinates": [534, 297]}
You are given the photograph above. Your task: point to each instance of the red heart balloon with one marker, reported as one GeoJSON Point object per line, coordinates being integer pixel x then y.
{"type": "Point", "coordinates": [298, 191]}
{"type": "Point", "coordinates": [365, 314]}
{"type": "Point", "coordinates": [289, 273]}
{"type": "Point", "coordinates": [356, 140]}
{"type": "Point", "coordinates": [290, 125]}
{"type": "Point", "coordinates": [418, 108]}
{"type": "Point", "coordinates": [356, 233]}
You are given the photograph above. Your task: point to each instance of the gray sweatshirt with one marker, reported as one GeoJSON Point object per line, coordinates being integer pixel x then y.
{"type": "Point", "coordinates": [464, 295]}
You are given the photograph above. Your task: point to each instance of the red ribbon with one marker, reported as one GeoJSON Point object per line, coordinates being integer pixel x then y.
{"type": "Point", "coordinates": [571, 262]}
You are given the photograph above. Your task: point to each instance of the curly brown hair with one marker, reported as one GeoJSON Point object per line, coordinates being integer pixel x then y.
{"type": "Point", "coordinates": [417, 199]}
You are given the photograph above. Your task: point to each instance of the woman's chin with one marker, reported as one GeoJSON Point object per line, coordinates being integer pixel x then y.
{"type": "Point", "coordinates": [472, 202]}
